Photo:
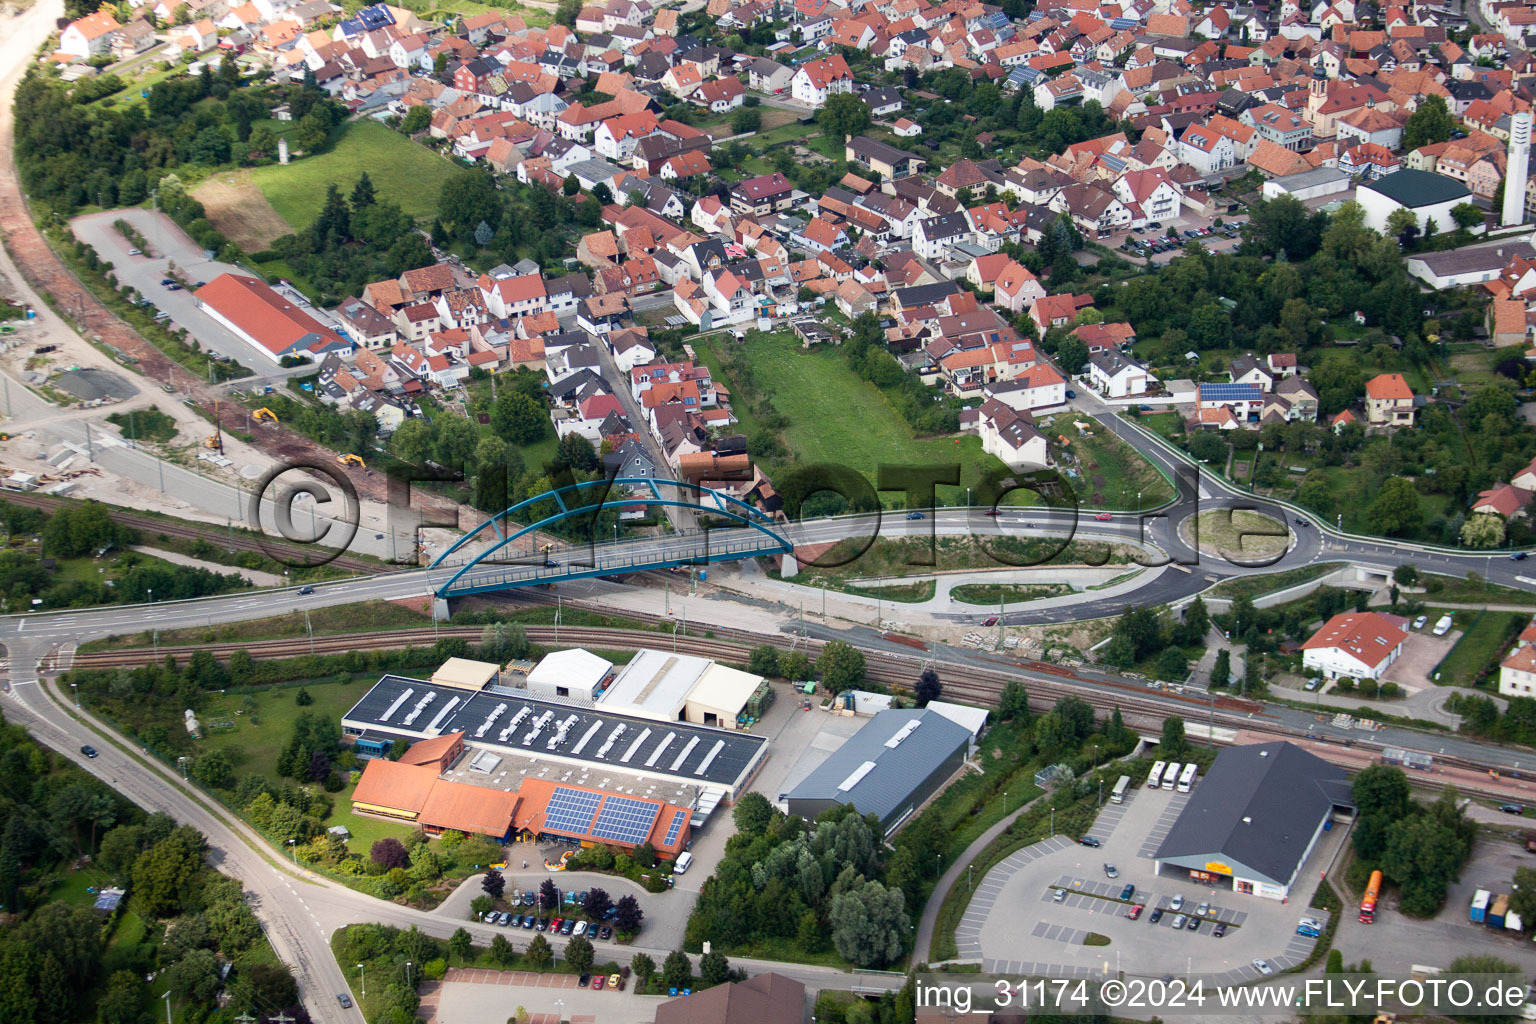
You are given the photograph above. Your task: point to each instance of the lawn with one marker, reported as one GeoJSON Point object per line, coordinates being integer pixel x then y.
{"type": "Point", "coordinates": [366, 616]}
{"type": "Point", "coordinates": [1267, 583]}
{"type": "Point", "coordinates": [837, 418]}
{"type": "Point", "coordinates": [907, 593]}
{"type": "Point", "coordinates": [401, 171]}
{"type": "Point", "coordinates": [1485, 638]}
{"type": "Point", "coordinates": [1106, 472]}
{"type": "Point", "coordinates": [1456, 590]}
{"type": "Point", "coordinates": [1239, 534]}
{"type": "Point", "coordinates": [258, 736]}
{"type": "Point", "coordinates": [365, 831]}
{"type": "Point", "coordinates": [992, 593]}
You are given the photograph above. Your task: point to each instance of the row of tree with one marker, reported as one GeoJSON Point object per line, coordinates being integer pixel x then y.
{"type": "Point", "coordinates": [1419, 847]}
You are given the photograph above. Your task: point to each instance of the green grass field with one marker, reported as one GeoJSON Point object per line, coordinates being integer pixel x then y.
{"type": "Point", "coordinates": [837, 418]}
{"type": "Point", "coordinates": [365, 831]}
{"type": "Point", "coordinates": [991, 593]}
{"type": "Point", "coordinates": [1111, 473]}
{"type": "Point", "coordinates": [1477, 645]}
{"type": "Point", "coordinates": [401, 171]}
{"type": "Point", "coordinates": [254, 747]}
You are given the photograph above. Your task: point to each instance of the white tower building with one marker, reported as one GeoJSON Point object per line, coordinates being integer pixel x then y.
{"type": "Point", "coordinates": [1518, 169]}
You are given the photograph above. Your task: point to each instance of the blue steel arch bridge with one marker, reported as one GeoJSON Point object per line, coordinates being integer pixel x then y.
{"type": "Point", "coordinates": [747, 533]}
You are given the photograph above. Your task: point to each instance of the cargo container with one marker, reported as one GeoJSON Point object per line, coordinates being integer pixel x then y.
{"type": "Point", "coordinates": [1372, 894]}
{"type": "Point", "coordinates": [1480, 905]}
{"type": "Point", "coordinates": [1512, 922]}
{"type": "Point", "coordinates": [1497, 911]}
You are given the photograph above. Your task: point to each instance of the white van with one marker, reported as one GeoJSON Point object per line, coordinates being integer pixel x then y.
{"type": "Point", "coordinates": [680, 866]}
{"type": "Point", "coordinates": [1443, 626]}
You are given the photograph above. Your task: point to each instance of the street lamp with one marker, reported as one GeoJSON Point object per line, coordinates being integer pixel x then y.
{"type": "Point", "coordinates": [76, 688]}
{"type": "Point", "coordinates": [407, 974]}
{"type": "Point", "coordinates": [364, 978]}
{"type": "Point", "coordinates": [294, 845]}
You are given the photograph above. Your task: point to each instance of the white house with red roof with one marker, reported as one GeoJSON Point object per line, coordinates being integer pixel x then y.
{"type": "Point", "coordinates": [1517, 673]}
{"type": "Point", "coordinates": [90, 36]}
{"type": "Point", "coordinates": [1356, 644]}
{"type": "Point", "coordinates": [1152, 193]}
{"type": "Point", "coordinates": [819, 79]}
{"type": "Point", "coordinates": [1388, 401]}
{"type": "Point", "coordinates": [509, 297]}
{"type": "Point", "coordinates": [267, 322]}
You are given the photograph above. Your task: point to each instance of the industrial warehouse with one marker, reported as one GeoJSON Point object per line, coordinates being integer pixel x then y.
{"type": "Point", "coordinates": [1254, 819]}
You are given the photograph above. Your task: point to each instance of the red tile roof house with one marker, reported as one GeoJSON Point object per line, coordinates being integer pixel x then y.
{"type": "Point", "coordinates": [263, 319]}
{"type": "Point", "coordinates": [1505, 500]}
{"type": "Point", "coordinates": [1356, 644]}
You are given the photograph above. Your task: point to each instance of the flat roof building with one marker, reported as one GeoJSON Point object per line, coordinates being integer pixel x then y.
{"type": "Point", "coordinates": [888, 768]}
{"type": "Point", "coordinates": [1254, 818]}
{"type": "Point", "coordinates": [270, 324]}
{"type": "Point", "coordinates": [516, 722]}
{"type": "Point", "coordinates": [671, 687]}
{"type": "Point", "coordinates": [465, 674]}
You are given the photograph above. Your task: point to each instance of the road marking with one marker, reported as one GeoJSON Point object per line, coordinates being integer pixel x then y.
{"type": "Point", "coordinates": [21, 625]}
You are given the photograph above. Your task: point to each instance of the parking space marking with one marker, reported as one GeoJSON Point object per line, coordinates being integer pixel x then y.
{"type": "Point", "coordinates": [1164, 825]}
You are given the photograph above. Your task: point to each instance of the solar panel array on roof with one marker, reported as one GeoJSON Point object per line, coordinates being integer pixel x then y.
{"type": "Point", "coordinates": [1230, 392]}
{"type": "Point", "coordinates": [571, 810]}
{"type": "Point", "coordinates": [625, 821]}
{"type": "Point", "coordinates": [678, 817]}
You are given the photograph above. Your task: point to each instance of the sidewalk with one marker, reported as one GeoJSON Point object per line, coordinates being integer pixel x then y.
{"type": "Point", "coordinates": [922, 948]}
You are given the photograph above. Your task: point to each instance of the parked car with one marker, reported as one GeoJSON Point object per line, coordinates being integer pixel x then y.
{"type": "Point", "coordinates": [1156, 915]}
{"type": "Point", "coordinates": [1136, 909]}
{"type": "Point", "coordinates": [1194, 923]}
{"type": "Point", "coordinates": [345, 1000]}
{"type": "Point", "coordinates": [1089, 841]}
{"type": "Point", "coordinates": [1204, 909]}
{"type": "Point", "coordinates": [1127, 893]}
{"type": "Point", "coordinates": [505, 919]}
{"type": "Point", "coordinates": [134, 252]}
{"type": "Point", "coordinates": [166, 280]}
{"type": "Point", "coordinates": [1177, 903]}
{"type": "Point", "coordinates": [1512, 808]}
{"type": "Point", "coordinates": [541, 923]}
{"type": "Point", "coordinates": [584, 981]}
{"type": "Point", "coordinates": [597, 982]}
{"type": "Point", "coordinates": [581, 929]}
{"type": "Point", "coordinates": [1220, 929]}
{"type": "Point", "coordinates": [569, 926]}
{"type": "Point", "coordinates": [606, 933]}
{"type": "Point", "coordinates": [527, 921]}
{"type": "Point", "coordinates": [616, 981]}
{"type": "Point", "coordinates": [1263, 966]}
{"type": "Point", "coordinates": [1421, 622]}
{"type": "Point", "coordinates": [1058, 896]}
{"type": "Point", "coordinates": [1071, 393]}
{"type": "Point", "coordinates": [554, 924]}
{"type": "Point", "coordinates": [1111, 871]}
{"type": "Point", "coordinates": [1178, 921]}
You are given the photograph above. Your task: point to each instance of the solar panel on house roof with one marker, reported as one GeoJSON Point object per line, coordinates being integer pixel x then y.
{"type": "Point", "coordinates": [1230, 392]}
{"type": "Point", "coordinates": [571, 810]}
{"type": "Point", "coordinates": [678, 817]}
{"type": "Point", "coordinates": [625, 821]}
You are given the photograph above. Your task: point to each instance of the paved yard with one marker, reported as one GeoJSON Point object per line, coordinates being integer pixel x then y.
{"type": "Point", "coordinates": [468, 996]}
{"type": "Point", "coordinates": [1021, 923]}
{"type": "Point", "coordinates": [1421, 653]}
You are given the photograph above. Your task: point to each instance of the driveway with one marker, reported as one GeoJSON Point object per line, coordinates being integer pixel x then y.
{"type": "Point", "coordinates": [1421, 653]}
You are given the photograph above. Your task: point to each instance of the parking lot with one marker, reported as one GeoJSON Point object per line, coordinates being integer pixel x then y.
{"type": "Point", "coordinates": [167, 244]}
{"type": "Point", "coordinates": [1032, 913]}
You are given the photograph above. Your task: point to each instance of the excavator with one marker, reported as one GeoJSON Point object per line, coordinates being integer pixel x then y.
{"type": "Point", "coordinates": [264, 414]}
{"type": "Point", "coordinates": [349, 459]}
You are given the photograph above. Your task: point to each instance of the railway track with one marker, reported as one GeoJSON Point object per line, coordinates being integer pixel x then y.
{"type": "Point", "coordinates": [150, 526]}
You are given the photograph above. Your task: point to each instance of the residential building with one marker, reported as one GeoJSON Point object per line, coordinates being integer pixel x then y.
{"type": "Point", "coordinates": [1359, 645]}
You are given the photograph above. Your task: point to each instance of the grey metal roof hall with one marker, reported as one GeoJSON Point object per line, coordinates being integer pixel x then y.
{"type": "Point", "coordinates": [511, 721]}
{"type": "Point", "coordinates": [908, 751]}
{"type": "Point", "coordinates": [1259, 806]}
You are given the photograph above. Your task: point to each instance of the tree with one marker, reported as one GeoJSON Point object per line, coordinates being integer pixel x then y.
{"type": "Point", "coordinates": [494, 883]}
{"type": "Point", "coordinates": [302, 697]}
{"type": "Point", "coordinates": [195, 976]}
{"type": "Point", "coordinates": [1466, 215]}
{"type": "Point", "coordinates": [1395, 508]}
{"type": "Point", "coordinates": [753, 813]}
{"type": "Point", "coordinates": [466, 199]}
{"type": "Point", "coordinates": [579, 954]}
{"type": "Point", "coordinates": [677, 969]}
{"type": "Point", "coordinates": [1208, 446]}
{"type": "Point", "coordinates": [213, 769]}
{"type": "Point", "coordinates": [597, 903]}
{"type": "Point", "coordinates": [502, 953]}
{"type": "Point", "coordinates": [1428, 124]}
{"type": "Point", "coordinates": [1405, 576]}
{"type": "Point", "coordinates": [1381, 789]}
{"type": "Point", "coordinates": [389, 853]}
{"type": "Point", "coordinates": [1221, 671]}
{"type": "Point", "coordinates": [549, 894]}
{"type": "Point", "coordinates": [515, 418]}
{"type": "Point", "coordinates": [627, 915]}
{"type": "Point", "coordinates": [1172, 665]}
{"type": "Point", "coordinates": [539, 953]}
{"type": "Point", "coordinates": [481, 905]}
{"type": "Point", "coordinates": [123, 1001]}
{"type": "Point", "coordinates": [1071, 354]}
{"type": "Point", "coordinates": [840, 666]}
{"type": "Point", "coordinates": [1474, 969]}
{"type": "Point", "coordinates": [1174, 741]}
{"type": "Point", "coordinates": [1484, 530]}
{"type": "Point", "coordinates": [869, 924]}
{"type": "Point", "coordinates": [843, 114]}
{"type": "Point", "coordinates": [417, 119]}
{"type": "Point", "coordinates": [745, 121]}
{"type": "Point", "coordinates": [566, 11]}
{"type": "Point", "coordinates": [928, 688]}
{"type": "Point", "coordinates": [714, 968]}
{"type": "Point", "coordinates": [460, 944]}
{"type": "Point", "coordinates": [1014, 703]}
{"type": "Point", "coordinates": [764, 660]}
{"type": "Point", "coordinates": [643, 967]}
{"type": "Point", "coordinates": [577, 452]}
